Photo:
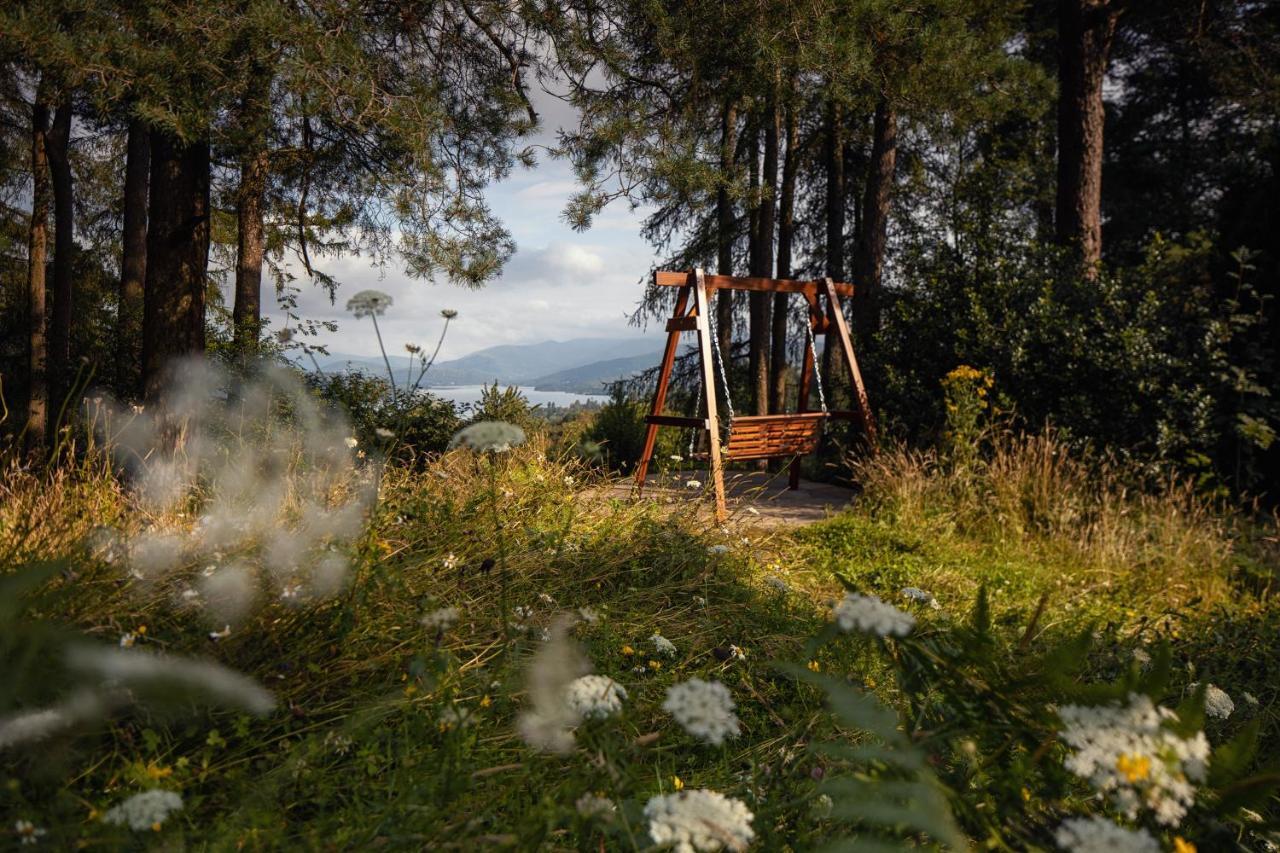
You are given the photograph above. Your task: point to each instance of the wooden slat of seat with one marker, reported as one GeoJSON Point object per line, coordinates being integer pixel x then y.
{"type": "Point", "coordinates": [768, 436]}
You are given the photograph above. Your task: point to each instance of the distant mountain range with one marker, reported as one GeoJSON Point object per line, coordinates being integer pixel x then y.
{"type": "Point", "coordinates": [581, 365]}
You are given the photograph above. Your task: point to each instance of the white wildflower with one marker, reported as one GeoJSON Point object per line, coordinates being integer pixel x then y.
{"type": "Point", "coordinates": [595, 806]}
{"type": "Point", "coordinates": [369, 303]}
{"type": "Point", "coordinates": [1099, 835]}
{"type": "Point", "coordinates": [220, 635]}
{"type": "Point", "coordinates": [717, 550]}
{"type": "Point", "coordinates": [384, 433]}
{"type": "Point", "coordinates": [488, 437]}
{"type": "Point", "coordinates": [704, 709]}
{"type": "Point", "coordinates": [1129, 753]}
{"type": "Point", "coordinates": [916, 594]}
{"type": "Point", "coordinates": [27, 831]}
{"type": "Point", "coordinates": [663, 646]}
{"type": "Point", "coordinates": [675, 457]}
{"type": "Point", "coordinates": [523, 612]}
{"type": "Point", "coordinates": [127, 640]}
{"type": "Point", "coordinates": [1249, 697]}
{"type": "Point", "coordinates": [1141, 656]}
{"type": "Point", "coordinates": [148, 810]}
{"type": "Point", "coordinates": [441, 620]}
{"type": "Point", "coordinates": [595, 696]}
{"type": "Point", "coordinates": [737, 652]}
{"type": "Point", "coordinates": [700, 601]}
{"type": "Point", "coordinates": [588, 615]}
{"type": "Point", "coordinates": [1216, 701]}
{"type": "Point", "coordinates": [693, 484]}
{"type": "Point", "coordinates": [455, 717]}
{"type": "Point", "coordinates": [291, 592]}
{"type": "Point", "coordinates": [546, 598]}
{"type": "Point", "coordinates": [869, 614]}
{"type": "Point", "coordinates": [548, 723]}
{"type": "Point", "coordinates": [450, 562]}
{"type": "Point", "coordinates": [338, 742]}
{"type": "Point", "coordinates": [778, 584]}
{"type": "Point", "coordinates": [351, 442]}
{"type": "Point", "coordinates": [690, 821]}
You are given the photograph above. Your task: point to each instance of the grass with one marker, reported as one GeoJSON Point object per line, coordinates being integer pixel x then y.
{"type": "Point", "coordinates": [358, 754]}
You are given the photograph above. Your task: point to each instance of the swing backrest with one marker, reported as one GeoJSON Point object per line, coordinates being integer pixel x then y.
{"type": "Point", "coordinates": [773, 436]}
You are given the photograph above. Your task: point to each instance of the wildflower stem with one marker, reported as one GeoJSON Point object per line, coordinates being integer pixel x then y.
{"type": "Point", "coordinates": [390, 373]}
{"type": "Point", "coordinates": [503, 600]}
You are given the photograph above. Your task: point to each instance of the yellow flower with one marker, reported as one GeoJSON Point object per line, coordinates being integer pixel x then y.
{"type": "Point", "coordinates": [156, 771]}
{"type": "Point", "coordinates": [142, 629]}
{"type": "Point", "coordinates": [410, 690]}
{"type": "Point", "coordinates": [1182, 845]}
{"type": "Point", "coordinates": [677, 783]}
{"type": "Point", "coordinates": [485, 702]}
{"type": "Point", "coordinates": [814, 666]}
{"type": "Point", "coordinates": [655, 665]}
{"type": "Point", "coordinates": [1134, 767]}
{"type": "Point", "coordinates": [155, 827]}
{"type": "Point", "coordinates": [627, 650]}
{"type": "Point", "coordinates": [1026, 795]}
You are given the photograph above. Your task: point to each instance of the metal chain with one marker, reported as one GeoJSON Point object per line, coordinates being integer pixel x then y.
{"type": "Point", "coordinates": [817, 372]}
{"type": "Point", "coordinates": [716, 357]}
{"type": "Point", "coordinates": [697, 407]}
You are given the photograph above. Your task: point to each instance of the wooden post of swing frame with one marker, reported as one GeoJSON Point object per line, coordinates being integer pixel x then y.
{"type": "Point", "coordinates": [705, 345]}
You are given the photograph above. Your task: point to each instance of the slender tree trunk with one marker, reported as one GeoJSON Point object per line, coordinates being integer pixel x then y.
{"type": "Point", "coordinates": [251, 248]}
{"type": "Point", "coordinates": [58, 146]}
{"type": "Point", "coordinates": [133, 260]}
{"type": "Point", "coordinates": [177, 256]}
{"type": "Point", "coordinates": [37, 248]}
{"type": "Point", "coordinates": [765, 224]}
{"type": "Point", "coordinates": [725, 230]}
{"type": "Point", "coordinates": [1085, 32]}
{"type": "Point", "coordinates": [786, 233]}
{"type": "Point", "coordinates": [833, 154]}
{"type": "Point", "coordinates": [876, 200]}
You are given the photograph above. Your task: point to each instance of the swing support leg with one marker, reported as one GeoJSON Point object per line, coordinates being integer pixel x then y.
{"type": "Point", "coordinates": [806, 380]}
{"type": "Point", "coordinates": [660, 393]}
{"type": "Point", "coordinates": [706, 354]}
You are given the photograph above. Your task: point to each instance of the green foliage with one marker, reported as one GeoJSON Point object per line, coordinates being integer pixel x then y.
{"type": "Point", "coordinates": [420, 424]}
{"type": "Point", "coordinates": [507, 405]}
{"type": "Point", "coordinates": [619, 430]}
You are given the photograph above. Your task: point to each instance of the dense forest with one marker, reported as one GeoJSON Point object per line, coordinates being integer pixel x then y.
{"type": "Point", "coordinates": [1076, 197]}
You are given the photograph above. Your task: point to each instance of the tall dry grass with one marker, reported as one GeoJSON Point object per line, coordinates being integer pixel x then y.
{"type": "Point", "coordinates": [1032, 490]}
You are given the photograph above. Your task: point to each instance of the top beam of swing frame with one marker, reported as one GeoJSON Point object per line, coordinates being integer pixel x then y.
{"type": "Point", "coordinates": [668, 278]}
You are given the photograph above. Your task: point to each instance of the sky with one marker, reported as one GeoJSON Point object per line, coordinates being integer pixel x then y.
{"type": "Point", "coordinates": [558, 285]}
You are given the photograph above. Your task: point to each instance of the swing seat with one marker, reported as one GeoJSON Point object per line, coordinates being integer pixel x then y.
{"type": "Point", "coordinates": [773, 436]}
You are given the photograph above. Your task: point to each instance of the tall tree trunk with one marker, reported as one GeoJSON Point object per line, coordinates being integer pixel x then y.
{"type": "Point", "coordinates": [37, 248]}
{"type": "Point", "coordinates": [725, 230]}
{"type": "Point", "coordinates": [786, 233]}
{"type": "Point", "coordinates": [876, 199]}
{"type": "Point", "coordinates": [1085, 32]}
{"type": "Point", "coordinates": [177, 256]}
{"type": "Point", "coordinates": [133, 260]}
{"type": "Point", "coordinates": [58, 146]}
{"type": "Point", "coordinates": [833, 155]}
{"type": "Point", "coordinates": [765, 224]}
{"type": "Point", "coordinates": [251, 247]}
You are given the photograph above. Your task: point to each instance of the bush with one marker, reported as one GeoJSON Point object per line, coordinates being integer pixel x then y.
{"type": "Point", "coordinates": [619, 429]}
{"type": "Point", "coordinates": [418, 424]}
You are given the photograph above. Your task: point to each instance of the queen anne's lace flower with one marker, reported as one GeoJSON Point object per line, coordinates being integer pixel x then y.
{"type": "Point", "coordinates": [148, 810]}
{"type": "Point", "coordinates": [369, 303]}
{"type": "Point", "coordinates": [689, 821]}
{"type": "Point", "coordinates": [1099, 835]}
{"type": "Point", "coordinates": [1129, 753]}
{"type": "Point", "coordinates": [595, 806]}
{"type": "Point", "coordinates": [441, 620]}
{"type": "Point", "coordinates": [869, 614]}
{"type": "Point", "coordinates": [704, 709]}
{"type": "Point", "coordinates": [27, 831]}
{"type": "Point", "coordinates": [1216, 701]}
{"type": "Point", "coordinates": [595, 696]}
{"type": "Point", "coordinates": [488, 437]}
{"type": "Point", "coordinates": [663, 646]}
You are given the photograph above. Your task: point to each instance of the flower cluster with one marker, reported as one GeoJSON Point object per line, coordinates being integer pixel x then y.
{"type": "Point", "coordinates": [441, 620]}
{"type": "Point", "coordinates": [916, 594]}
{"type": "Point", "coordinates": [1099, 835]}
{"type": "Point", "coordinates": [704, 709]}
{"type": "Point", "coordinates": [593, 806]}
{"type": "Point", "coordinates": [869, 614]}
{"type": "Point", "coordinates": [690, 821]}
{"type": "Point", "coordinates": [148, 810]}
{"type": "Point", "coordinates": [595, 696]}
{"type": "Point", "coordinates": [1216, 701]}
{"type": "Point", "coordinates": [1129, 753]}
{"type": "Point", "coordinates": [663, 646]}
{"type": "Point", "coordinates": [488, 437]}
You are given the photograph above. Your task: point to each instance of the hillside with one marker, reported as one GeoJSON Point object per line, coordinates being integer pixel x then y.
{"type": "Point", "coordinates": [595, 377]}
{"type": "Point", "coordinates": [520, 364]}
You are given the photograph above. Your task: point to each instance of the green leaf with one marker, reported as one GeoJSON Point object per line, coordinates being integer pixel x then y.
{"type": "Point", "coordinates": [1230, 760]}
{"type": "Point", "coordinates": [1190, 713]}
{"type": "Point", "coordinates": [981, 619]}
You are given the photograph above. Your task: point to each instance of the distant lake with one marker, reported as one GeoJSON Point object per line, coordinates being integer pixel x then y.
{"type": "Point", "coordinates": [463, 394]}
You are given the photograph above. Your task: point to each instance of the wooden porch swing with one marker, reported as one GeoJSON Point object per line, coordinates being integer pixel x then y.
{"type": "Point", "coordinates": [751, 436]}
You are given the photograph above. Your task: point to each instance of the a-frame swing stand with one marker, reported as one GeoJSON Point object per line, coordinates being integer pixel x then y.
{"type": "Point", "coordinates": [754, 436]}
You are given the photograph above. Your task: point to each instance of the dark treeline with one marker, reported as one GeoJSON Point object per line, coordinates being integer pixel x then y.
{"type": "Point", "coordinates": [1077, 197]}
